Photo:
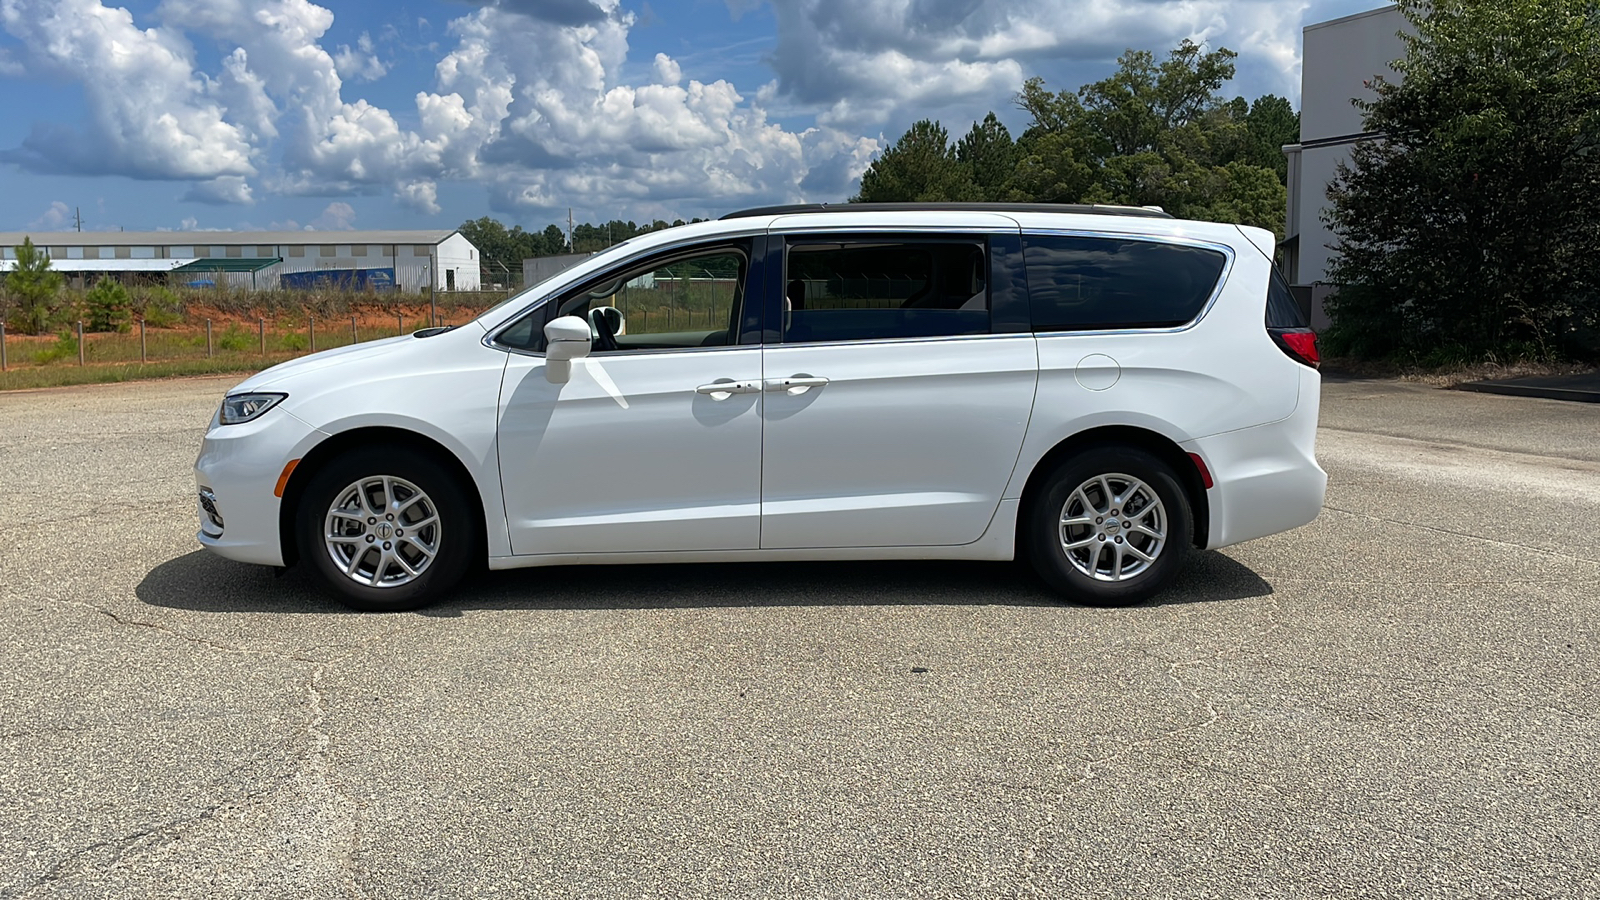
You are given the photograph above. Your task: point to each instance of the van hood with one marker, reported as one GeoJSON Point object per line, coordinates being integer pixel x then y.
{"type": "Point", "coordinates": [355, 354]}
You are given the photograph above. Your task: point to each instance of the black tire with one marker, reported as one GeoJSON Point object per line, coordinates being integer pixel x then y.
{"type": "Point", "coordinates": [1047, 534]}
{"type": "Point", "coordinates": [455, 538]}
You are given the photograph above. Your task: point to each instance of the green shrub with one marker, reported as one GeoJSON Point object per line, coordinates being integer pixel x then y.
{"type": "Point", "coordinates": [109, 306]}
{"type": "Point", "coordinates": [236, 338]}
{"type": "Point", "coordinates": [159, 307]}
{"type": "Point", "coordinates": [65, 347]}
{"type": "Point", "coordinates": [294, 341]}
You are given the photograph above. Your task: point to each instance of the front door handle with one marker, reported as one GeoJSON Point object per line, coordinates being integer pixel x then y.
{"type": "Point", "coordinates": [722, 390]}
{"type": "Point", "coordinates": [795, 384]}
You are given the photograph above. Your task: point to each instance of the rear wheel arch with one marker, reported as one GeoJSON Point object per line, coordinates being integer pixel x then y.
{"type": "Point", "coordinates": [1154, 443]}
{"type": "Point", "coordinates": [355, 438]}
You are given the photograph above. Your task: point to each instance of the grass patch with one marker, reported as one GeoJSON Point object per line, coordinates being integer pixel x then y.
{"type": "Point", "coordinates": [1447, 374]}
{"type": "Point", "coordinates": [62, 376]}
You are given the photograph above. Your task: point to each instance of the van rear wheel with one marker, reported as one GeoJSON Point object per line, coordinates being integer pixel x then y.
{"type": "Point", "coordinates": [1110, 527]}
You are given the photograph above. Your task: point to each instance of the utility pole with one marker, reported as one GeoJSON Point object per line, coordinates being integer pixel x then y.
{"type": "Point", "coordinates": [77, 212]}
{"type": "Point", "coordinates": [571, 248]}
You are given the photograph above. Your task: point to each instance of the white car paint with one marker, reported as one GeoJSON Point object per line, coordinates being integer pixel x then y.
{"type": "Point", "coordinates": [870, 459]}
{"type": "Point", "coordinates": [913, 448]}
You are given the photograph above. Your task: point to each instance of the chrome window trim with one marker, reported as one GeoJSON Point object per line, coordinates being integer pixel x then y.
{"type": "Point", "coordinates": [1228, 252]}
{"type": "Point", "coordinates": [924, 339]}
{"type": "Point", "coordinates": [610, 354]}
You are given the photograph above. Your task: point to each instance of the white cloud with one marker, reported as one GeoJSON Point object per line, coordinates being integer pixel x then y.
{"type": "Point", "coordinates": [149, 114]}
{"type": "Point", "coordinates": [361, 63]}
{"type": "Point", "coordinates": [529, 99]}
{"type": "Point", "coordinates": [339, 216]}
{"type": "Point", "coordinates": [229, 189]}
{"type": "Point", "coordinates": [547, 122]}
{"type": "Point", "coordinates": [422, 196]}
{"type": "Point", "coordinates": [667, 71]}
{"type": "Point", "coordinates": [55, 218]}
{"type": "Point", "coordinates": [867, 62]}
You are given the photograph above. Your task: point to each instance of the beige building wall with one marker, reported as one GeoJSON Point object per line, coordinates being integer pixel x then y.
{"type": "Point", "coordinates": [1340, 59]}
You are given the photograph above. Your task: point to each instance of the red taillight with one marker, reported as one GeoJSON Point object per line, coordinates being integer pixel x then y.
{"type": "Point", "coordinates": [1300, 345]}
{"type": "Point", "coordinates": [1200, 466]}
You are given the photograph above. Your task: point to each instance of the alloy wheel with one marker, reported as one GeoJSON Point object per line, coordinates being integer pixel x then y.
{"type": "Point", "coordinates": [1113, 527]}
{"type": "Point", "coordinates": [382, 531]}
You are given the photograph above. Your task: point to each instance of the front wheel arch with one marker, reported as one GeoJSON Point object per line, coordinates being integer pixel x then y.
{"type": "Point", "coordinates": [344, 441]}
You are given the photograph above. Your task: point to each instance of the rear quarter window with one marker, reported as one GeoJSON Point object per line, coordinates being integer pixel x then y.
{"type": "Point", "coordinates": [1283, 310]}
{"type": "Point", "coordinates": [1078, 283]}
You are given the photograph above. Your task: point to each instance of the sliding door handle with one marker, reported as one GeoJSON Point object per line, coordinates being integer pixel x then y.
{"type": "Point", "coordinates": [722, 390]}
{"type": "Point", "coordinates": [795, 384]}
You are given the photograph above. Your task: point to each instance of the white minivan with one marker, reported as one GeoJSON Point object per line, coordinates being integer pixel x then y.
{"type": "Point", "coordinates": [1096, 389]}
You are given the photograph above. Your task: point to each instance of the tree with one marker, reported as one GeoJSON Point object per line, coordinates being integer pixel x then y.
{"type": "Point", "coordinates": [1472, 228]}
{"type": "Point", "coordinates": [1160, 135]}
{"type": "Point", "coordinates": [1142, 104]}
{"type": "Point", "coordinates": [1054, 162]}
{"type": "Point", "coordinates": [34, 288]}
{"type": "Point", "coordinates": [554, 242]}
{"type": "Point", "coordinates": [921, 166]}
{"type": "Point", "coordinates": [1272, 123]}
{"type": "Point", "coordinates": [989, 157]}
{"type": "Point", "coordinates": [110, 307]}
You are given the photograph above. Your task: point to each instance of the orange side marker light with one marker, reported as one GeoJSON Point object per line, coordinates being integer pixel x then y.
{"type": "Point", "coordinates": [283, 480]}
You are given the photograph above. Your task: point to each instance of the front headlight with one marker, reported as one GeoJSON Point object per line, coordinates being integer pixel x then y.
{"type": "Point", "coordinates": [238, 408]}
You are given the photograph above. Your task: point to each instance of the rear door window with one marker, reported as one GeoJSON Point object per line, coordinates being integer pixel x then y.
{"type": "Point", "coordinates": [1078, 283]}
{"type": "Point", "coordinates": [871, 288]}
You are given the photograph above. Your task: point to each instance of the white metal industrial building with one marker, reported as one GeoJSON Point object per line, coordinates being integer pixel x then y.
{"type": "Point", "coordinates": [360, 260]}
{"type": "Point", "coordinates": [1341, 57]}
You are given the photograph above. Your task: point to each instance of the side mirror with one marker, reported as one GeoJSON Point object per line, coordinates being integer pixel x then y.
{"type": "Point", "coordinates": [566, 339]}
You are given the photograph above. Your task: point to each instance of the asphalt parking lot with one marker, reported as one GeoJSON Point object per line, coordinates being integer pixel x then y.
{"type": "Point", "coordinates": [1397, 700]}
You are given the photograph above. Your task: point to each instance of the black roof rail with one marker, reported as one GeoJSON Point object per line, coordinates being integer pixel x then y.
{"type": "Point", "coordinates": [1147, 212]}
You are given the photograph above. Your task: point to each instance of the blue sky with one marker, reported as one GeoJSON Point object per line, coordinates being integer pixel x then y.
{"type": "Point", "coordinates": [239, 114]}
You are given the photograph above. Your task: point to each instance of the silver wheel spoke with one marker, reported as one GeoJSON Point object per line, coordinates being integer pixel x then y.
{"type": "Point", "coordinates": [1082, 496]}
{"type": "Point", "coordinates": [1128, 509]}
{"type": "Point", "coordinates": [382, 563]}
{"type": "Point", "coordinates": [420, 547]}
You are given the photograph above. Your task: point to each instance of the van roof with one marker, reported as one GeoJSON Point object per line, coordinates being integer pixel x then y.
{"type": "Point", "coordinates": [1096, 209]}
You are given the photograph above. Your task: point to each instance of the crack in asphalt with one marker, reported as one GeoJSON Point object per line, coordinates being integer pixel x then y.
{"type": "Point", "coordinates": [1043, 835]}
{"type": "Point", "coordinates": [315, 766]}
{"type": "Point", "coordinates": [204, 642]}
{"type": "Point", "coordinates": [165, 833]}
{"type": "Point", "coordinates": [321, 775]}
{"type": "Point", "coordinates": [1465, 534]}
{"type": "Point", "coordinates": [1561, 462]}
{"type": "Point", "coordinates": [33, 524]}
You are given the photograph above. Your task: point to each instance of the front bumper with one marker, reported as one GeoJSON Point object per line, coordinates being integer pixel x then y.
{"type": "Point", "coordinates": [236, 475]}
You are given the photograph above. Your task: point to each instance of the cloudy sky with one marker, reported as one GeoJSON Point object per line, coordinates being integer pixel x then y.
{"type": "Point", "coordinates": [423, 113]}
